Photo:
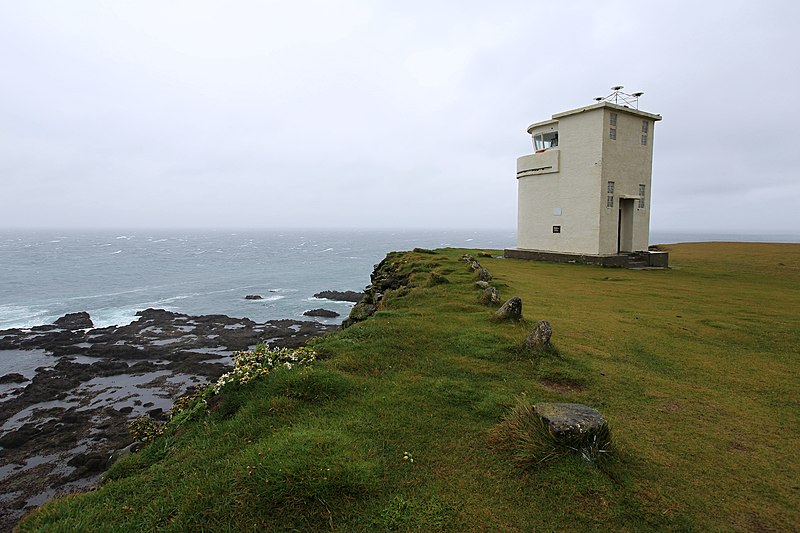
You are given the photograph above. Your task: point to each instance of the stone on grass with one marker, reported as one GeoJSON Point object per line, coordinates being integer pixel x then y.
{"type": "Point", "coordinates": [490, 296]}
{"type": "Point", "coordinates": [483, 285]}
{"type": "Point", "coordinates": [566, 421]}
{"type": "Point", "coordinates": [539, 338]}
{"type": "Point", "coordinates": [484, 275]}
{"type": "Point", "coordinates": [511, 310]}
{"type": "Point", "coordinates": [474, 266]}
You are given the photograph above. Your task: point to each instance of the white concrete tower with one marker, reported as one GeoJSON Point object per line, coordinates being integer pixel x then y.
{"type": "Point", "coordinates": [585, 191]}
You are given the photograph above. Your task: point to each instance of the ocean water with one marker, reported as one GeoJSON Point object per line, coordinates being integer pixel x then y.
{"type": "Point", "coordinates": [112, 275]}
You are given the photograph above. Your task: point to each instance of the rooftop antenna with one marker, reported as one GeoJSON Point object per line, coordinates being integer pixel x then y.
{"type": "Point", "coordinates": [620, 98]}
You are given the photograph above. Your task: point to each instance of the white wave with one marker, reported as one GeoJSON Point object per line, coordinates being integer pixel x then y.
{"type": "Point", "coordinates": [103, 295]}
{"type": "Point", "coordinates": [469, 240]}
{"type": "Point", "coordinates": [117, 252]}
{"type": "Point", "coordinates": [123, 237]}
{"type": "Point", "coordinates": [22, 316]}
{"type": "Point", "coordinates": [327, 250]}
{"type": "Point", "coordinates": [160, 240]}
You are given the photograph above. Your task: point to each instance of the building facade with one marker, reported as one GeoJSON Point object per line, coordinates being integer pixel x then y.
{"type": "Point", "coordinates": [586, 189]}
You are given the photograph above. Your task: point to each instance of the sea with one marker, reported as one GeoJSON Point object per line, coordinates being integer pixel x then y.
{"type": "Point", "coordinates": [114, 274]}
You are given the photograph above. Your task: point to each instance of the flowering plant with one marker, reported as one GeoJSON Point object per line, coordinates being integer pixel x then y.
{"type": "Point", "coordinates": [260, 362]}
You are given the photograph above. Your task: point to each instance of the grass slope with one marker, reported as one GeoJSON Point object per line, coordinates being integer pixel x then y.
{"type": "Point", "coordinates": [696, 368]}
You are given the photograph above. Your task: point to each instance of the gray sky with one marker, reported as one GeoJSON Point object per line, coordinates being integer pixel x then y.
{"type": "Point", "coordinates": [381, 114]}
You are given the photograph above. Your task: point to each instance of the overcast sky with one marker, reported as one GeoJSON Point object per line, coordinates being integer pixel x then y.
{"type": "Point", "coordinates": [381, 114]}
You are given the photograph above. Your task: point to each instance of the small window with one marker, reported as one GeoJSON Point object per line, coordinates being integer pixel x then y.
{"type": "Point", "coordinates": [612, 134]}
{"type": "Point", "coordinates": [556, 229]}
{"type": "Point", "coordinates": [543, 141]}
{"type": "Point", "coordinates": [641, 196]}
{"type": "Point", "coordinates": [644, 126]}
{"type": "Point", "coordinates": [610, 200]}
{"type": "Point", "coordinates": [613, 119]}
{"type": "Point", "coordinates": [610, 188]}
{"type": "Point", "coordinates": [644, 140]}
{"type": "Point", "coordinates": [556, 211]}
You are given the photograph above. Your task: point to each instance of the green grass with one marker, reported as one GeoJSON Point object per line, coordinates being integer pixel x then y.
{"type": "Point", "coordinates": [696, 369]}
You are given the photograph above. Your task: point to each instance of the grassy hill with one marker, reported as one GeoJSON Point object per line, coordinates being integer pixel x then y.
{"type": "Point", "coordinates": [696, 369]}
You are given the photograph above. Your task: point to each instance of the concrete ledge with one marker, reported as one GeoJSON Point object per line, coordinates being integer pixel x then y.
{"type": "Point", "coordinates": [644, 259]}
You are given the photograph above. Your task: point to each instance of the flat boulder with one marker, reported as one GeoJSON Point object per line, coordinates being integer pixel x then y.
{"type": "Point", "coordinates": [483, 285]}
{"type": "Point", "coordinates": [325, 313]}
{"type": "Point", "coordinates": [340, 296]}
{"type": "Point", "coordinates": [80, 320]}
{"type": "Point", "coordinates": [253, 297]}
{"type": "Point", "coordinates": [13, 378]}
{"type": "Point", "coordinates": [566, 421]}
{"type": "Point", "coordinates": [539, 338]}
{"type": "Point", "coordinates": [511, 310]}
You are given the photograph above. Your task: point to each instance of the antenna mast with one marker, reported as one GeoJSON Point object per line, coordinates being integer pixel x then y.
{"type": "Point", "coordinates": [620, 98]}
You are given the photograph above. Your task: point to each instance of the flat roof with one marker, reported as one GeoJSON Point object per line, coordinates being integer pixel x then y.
{"type": "Point", "coordinates": [599, 105]}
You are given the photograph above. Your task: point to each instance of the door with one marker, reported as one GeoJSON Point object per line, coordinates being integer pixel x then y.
{"type": "Point", "coordinates": [625, 225]}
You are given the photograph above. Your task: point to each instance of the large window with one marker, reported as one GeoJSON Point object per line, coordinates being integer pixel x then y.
{"type": "Point", "coordinates": [543, 141]}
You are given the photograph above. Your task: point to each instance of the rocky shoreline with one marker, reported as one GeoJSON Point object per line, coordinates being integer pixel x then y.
{"type": "Point", "coordinates": [64, 409]}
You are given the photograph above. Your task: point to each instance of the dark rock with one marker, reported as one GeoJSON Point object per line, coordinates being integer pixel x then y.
{"type": "Point", "coordinates": [424, 251]}
{"type": "Point", "coordinates": [95, 462]}
{"type": "Point", "coordinates": [340, 296]}
{"type": "Point", "coordinates": [483, 285]}
{"type": "Point", "coordinates": [124, 452]}
{"type": "Point", "coordinates": [253, 297]}
{"type": "Point", "coordinates": [490, 296]}
{"type": "Point", "coordinates": [75, 321]}
{"type": "Point", "coordinates": [539, 338]}
{"type": "Point", "coordinates": [13, 378]}
{"type": "Point", "coordinates": [484, 254]}
{"type": "Point", "coordinates": [474, 266]}
{"type": "Point", "coordinates": [467, 258]}
{"type": "Point", "coordinates": [484, 275]}
{"type": "Point", "coordinates": [321, 312]}
{"type": "Point", "coordinates": [568, 420]}
{"type": "Point", "coordinates": [511, 310]}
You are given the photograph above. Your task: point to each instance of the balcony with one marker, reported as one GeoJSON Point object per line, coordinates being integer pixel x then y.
{"type": "Point", "coordinates": [543, 162]}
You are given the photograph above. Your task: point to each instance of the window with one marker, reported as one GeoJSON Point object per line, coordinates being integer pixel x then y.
{"type": "Point", "coordinates": [610, 200]}
{"type": "Point", "coordinates": [543, 141]}
{"type": "Point", "coordinates": [644, 126]}
{"type": "Point", "coordinates": [612, 134]}
{"type": "Point", "coordinates": [644, 140]}
{"type": "Point", "coordinates": [556, 229]}
{"type": "Point", "coordinates": [641, 196]}
{"type": "Point", "coordinates": [610, 189]}
{"type": "Point", "coordinates": [613, 120]}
